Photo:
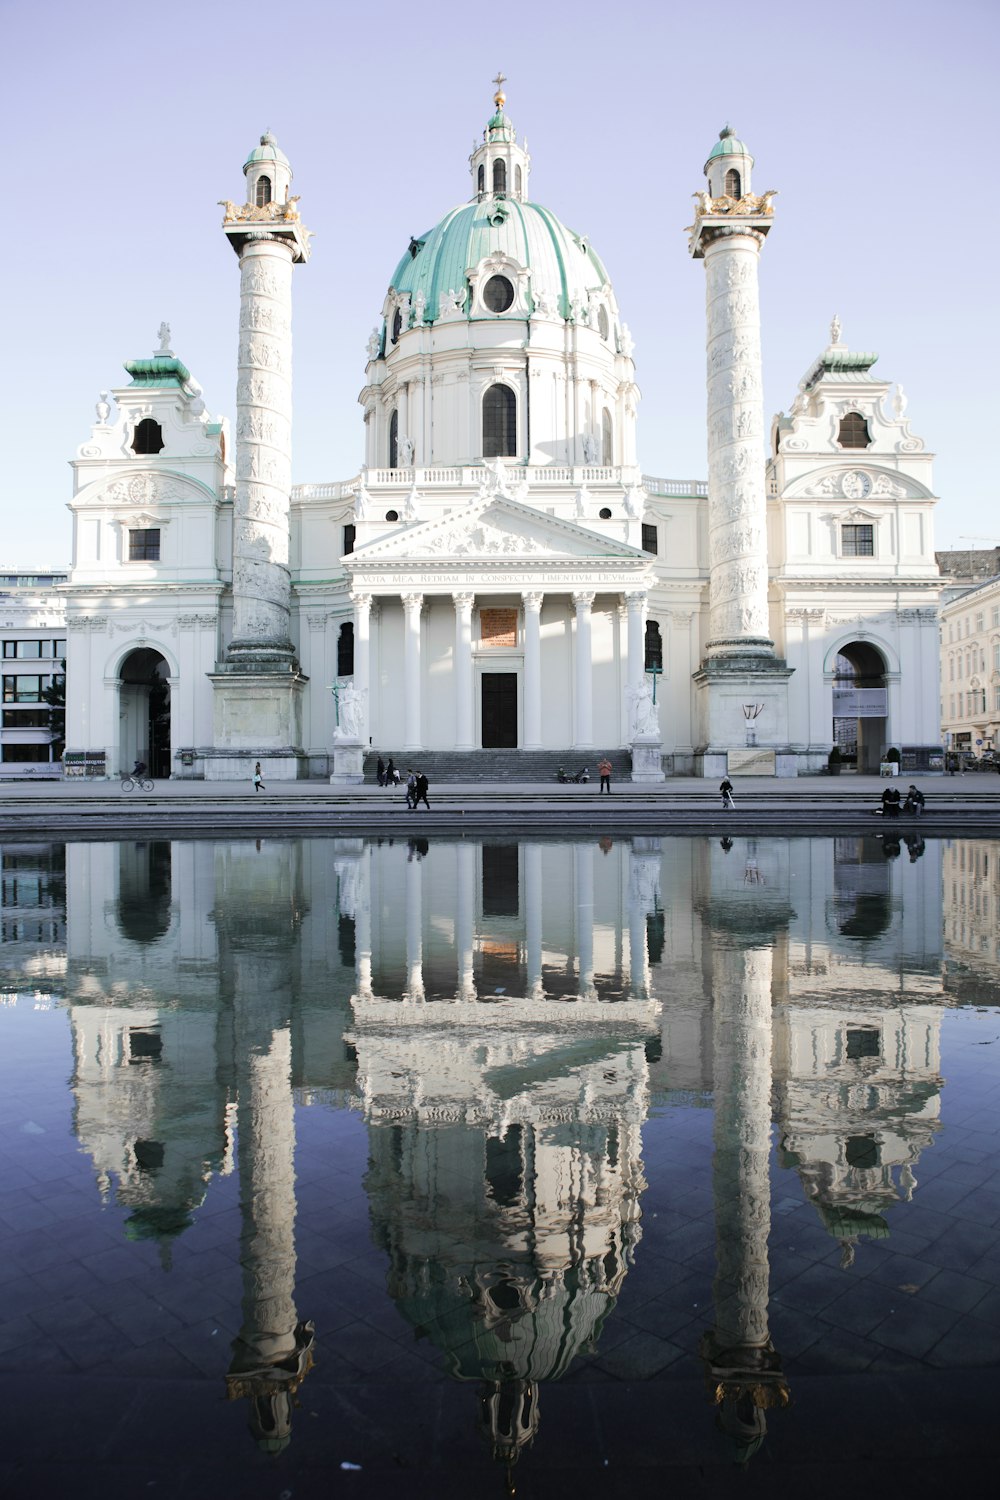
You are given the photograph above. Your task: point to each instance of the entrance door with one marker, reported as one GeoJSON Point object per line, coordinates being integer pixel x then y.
{"type": "Point", "coordinates": [499, 710]}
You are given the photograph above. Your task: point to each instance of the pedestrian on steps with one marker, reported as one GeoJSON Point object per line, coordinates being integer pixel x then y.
{"type": "Point", "coordinates": [604, 771]}
{"type": "Point", "coordinates": [258, 779]}
{"type": "Point", "coordinates": [726, 788]}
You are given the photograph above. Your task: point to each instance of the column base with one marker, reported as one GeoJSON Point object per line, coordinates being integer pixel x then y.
{"type": "Point", "coordinates": [256, 716]}
{"type": "Point", "coordinates": [742, 714]}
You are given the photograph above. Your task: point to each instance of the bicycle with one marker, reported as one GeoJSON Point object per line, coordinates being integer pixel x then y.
{"type": "Point", "coordinates": [133, 783]}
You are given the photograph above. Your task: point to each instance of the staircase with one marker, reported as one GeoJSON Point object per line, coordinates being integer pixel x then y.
{"type": "Point", "coordinates": [525, 767]}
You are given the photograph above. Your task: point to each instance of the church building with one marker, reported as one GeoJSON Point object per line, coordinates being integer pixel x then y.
{"type": "Point", "coordinates": [499, 578]}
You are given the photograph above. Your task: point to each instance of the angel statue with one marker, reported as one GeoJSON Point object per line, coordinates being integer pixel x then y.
{"type": "Point", "coordinates": [645, 721]}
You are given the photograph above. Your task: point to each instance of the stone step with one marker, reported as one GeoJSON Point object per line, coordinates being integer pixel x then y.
{"type": "Point", "coordinates": [509, 766]}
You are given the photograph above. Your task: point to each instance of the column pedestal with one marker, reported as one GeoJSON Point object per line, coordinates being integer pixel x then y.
{"type": "Point", "coordinates": [256, 716]}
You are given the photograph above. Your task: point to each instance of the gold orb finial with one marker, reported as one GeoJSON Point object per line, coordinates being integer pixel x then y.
{"type": "Point", "coordinates": [500, 98]}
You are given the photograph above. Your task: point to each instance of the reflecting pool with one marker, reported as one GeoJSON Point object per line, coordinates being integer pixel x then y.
{"type": "Point", "coordinates": [430, 1166]}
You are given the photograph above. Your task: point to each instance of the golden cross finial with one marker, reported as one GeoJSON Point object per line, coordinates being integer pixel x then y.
{"type": "Point", "coordinates": [499, 97]}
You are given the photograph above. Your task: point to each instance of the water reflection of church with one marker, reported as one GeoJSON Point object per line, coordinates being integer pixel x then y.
{"type": "Point", "coordinates": [505, 1016]}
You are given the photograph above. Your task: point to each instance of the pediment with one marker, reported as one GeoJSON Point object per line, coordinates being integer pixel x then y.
{"type": "Point", "coordinates": [498, 528]}
{"type": "Point", "coordinates": [141, 488]}
{"type": "Point", "coordinates": [856, 481]}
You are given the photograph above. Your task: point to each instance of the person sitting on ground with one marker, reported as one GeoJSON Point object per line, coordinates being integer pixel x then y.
{"type": "Point", "coordinates": [914, 801]}
{"type": "Point", "coordinates": [561, 775]}
{"type": "Point", "coordinates": [890, 802]}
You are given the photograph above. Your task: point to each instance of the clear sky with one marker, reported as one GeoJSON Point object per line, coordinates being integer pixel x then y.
{"type": "Point", "coordinates": [125, 127]}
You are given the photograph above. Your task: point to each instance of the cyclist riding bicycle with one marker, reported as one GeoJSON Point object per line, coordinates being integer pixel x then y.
{"type": "Point", "coordinates": [139, 769]}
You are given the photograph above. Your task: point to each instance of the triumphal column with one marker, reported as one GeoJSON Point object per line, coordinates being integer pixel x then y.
{"type": "Point", "coordinates": [258, 687]}
{"type": "Point", "coordinates": [742, 699]}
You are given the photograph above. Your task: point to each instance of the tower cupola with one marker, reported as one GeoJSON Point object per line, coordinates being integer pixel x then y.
{"type": "Point", "coordinates": [729, 166]}
{"type": "Point", "coordinates": [268, 173]}
{"type": "Point", "coordinates": [500, 165]}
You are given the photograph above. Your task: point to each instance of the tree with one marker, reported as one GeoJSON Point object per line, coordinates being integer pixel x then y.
{"type": "Point", "coordinates": [55, 696]}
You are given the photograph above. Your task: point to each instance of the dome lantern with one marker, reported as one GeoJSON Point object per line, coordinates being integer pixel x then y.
{"type": "Point", "coordinates": [729, 166]}
{"type": "Point", "coordinates": [500, 165]}
{"type": "Point", "coordinates": [268, 173]}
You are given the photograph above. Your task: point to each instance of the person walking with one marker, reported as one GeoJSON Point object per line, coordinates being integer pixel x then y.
{"type": "Point", "coordinates": [604, 771]}
{"type": "Point", "coordinates": [258, 779]}
{"type": "Point", "coordinates": [420, 791]}
{"type": "Point", "coordinates": [411, 789]}
{"type": "Point", "coordinates": [726, 788]}
{"type": "Point", "coordinates": [391, 774]}
{"type": "Point", "coordinates": [380, 771]}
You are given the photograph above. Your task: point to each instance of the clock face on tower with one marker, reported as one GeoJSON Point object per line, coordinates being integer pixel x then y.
{"type": "Point", "coordinates": [856, 485]}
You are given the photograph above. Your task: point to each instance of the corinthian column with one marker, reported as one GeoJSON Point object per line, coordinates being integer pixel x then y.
{"type": "Point", "coordinates": [532, 671]}
{"type": "Point", "coordinates": [463, 670]}
{"type": "Point", "coordinates": [584, 737]}
{"type": "Point", "coordinates": [412, 668]}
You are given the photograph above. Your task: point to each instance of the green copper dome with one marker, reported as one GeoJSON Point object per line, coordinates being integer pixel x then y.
{"type": "Point", "coordinates": [561, 263]}
{"type": "Point", "coordinates": [267, 151]}
{"type": "Point", "coordinates": [728, 144]}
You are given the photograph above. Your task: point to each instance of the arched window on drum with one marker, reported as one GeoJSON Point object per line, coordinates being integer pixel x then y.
{"type": "Point", "coordinates": [607, 440]}
{"type": "Point", "coordinates": [499, 422]}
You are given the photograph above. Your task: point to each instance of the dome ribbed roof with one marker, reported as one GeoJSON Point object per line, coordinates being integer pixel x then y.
{"type": "Point", "coordinates": [728, 144]}
{"type": "Point", "coordinates": [268, 150]}
{"type": "Point", "coordinates": [560, 261]}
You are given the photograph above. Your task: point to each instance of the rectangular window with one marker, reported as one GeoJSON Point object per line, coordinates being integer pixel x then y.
{"type": "Point", "coordinates": [60, 648]}
{"type": "Point", "coordinates": [980, 621]}
{"type": "Point", "coordinates": [857, 541]}
{"type": "Point", "coordinates": [144, 546]}
{"type": "Point", "coordinates": [26, 650]}
{"type": "Point", "coordinates": [26, 718]}
{"type": "Point", "coordinates": [350, 532]}
{"type": "Point", "coordinates": [26, 753]}
{"type": "Point", "coordinates": [996, 700]}
{"type": "Point", "coordinates": [995, 616]}
{"type": "Point", "coordinates": [23, 689]}
{"type": "Point", "coordinates": [951, 669]}
{"type": "Point", "coordinates": [650, 542]}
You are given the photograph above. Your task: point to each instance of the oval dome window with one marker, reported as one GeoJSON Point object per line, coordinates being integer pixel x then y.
{"type": "Point", "coordinates": [498, 294]}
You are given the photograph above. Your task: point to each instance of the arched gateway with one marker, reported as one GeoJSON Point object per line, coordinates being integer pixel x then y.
{"type": "Point", "coordinates": [860, 707]}
{"type": "Point", "coordinates": [144, 711]}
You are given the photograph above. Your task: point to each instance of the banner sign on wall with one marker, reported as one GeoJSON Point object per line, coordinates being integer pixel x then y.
{"type": "Point", "coordinates": [859, 703]}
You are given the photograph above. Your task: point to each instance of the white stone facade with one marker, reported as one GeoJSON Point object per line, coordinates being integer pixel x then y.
{"type": "Point", "coordinates": [499, 572]}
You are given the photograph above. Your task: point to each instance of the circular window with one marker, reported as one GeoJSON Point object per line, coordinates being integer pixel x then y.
{"type": "Point", "coordinates": [605, 514]}
{"type": "Point", "coordinates": [498, 294]}
{"type": "Point", "coordinates": [392, 515]}
{"type": "Point", "coordinates": [603, 326]}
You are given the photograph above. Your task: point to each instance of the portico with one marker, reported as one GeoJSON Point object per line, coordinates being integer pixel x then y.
{"type": "Point", "coordinates": [531, 627]}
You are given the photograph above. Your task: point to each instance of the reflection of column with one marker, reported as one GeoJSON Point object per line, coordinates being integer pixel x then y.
{"type": "Point", "coordinates": [584, 737]}
{"type": "Point", "coordinates": [272, 1353]}
{"type": "Point", "coordinates": [464, 919]}
{"type": "Point", "coordinates": [744, 1369]}
{"type": "Point", "coordinates": [583, 869]}
{"type": "Point", "coordinates": [412, 604]}
{"type": "Point", "coordinates": [362, 675]}
{"type": "Point", "coordinates": [637, 941]}
{"type": "Point", "coordinates": [414, 929]}
{"type": "Point", "coordinates": [532, 671]}
{"type": "Point", "coordinates": [363, 924]}
{"type": "Point", "coordinates": [533, 919]}
{"type": "Point", "coordinates": [463, 671]}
